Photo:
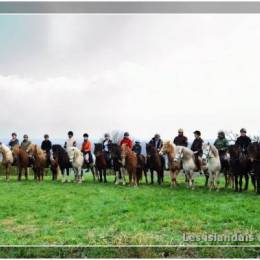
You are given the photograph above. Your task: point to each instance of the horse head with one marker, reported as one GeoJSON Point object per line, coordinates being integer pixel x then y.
{"type": "Point", "coordinates": [253, 151]}
{"type": "Point", "coordinates": [124, 153]}
{"type": "Point", "coordinates": [167, 148]}
{"type": "Point", "coordinates": [71, 153]}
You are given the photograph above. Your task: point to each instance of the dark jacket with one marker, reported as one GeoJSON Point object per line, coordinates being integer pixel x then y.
{"type": "Point", "coordinates": [197, 146]}
{"type": "Point", "coordinates": [181, 140]}
{"type": "Point", "coordinates": [159, 144]}
{"type": "Point", "coordinates": [46, 145]}
{"type": "Point", "coordinates": [12, 143]}
{"type": "Point", "coordinates": [109, 144]}
{"type": "Point", "coordinates": [137, 148]}
{"type": "Point", "coordinates": [243, 142]}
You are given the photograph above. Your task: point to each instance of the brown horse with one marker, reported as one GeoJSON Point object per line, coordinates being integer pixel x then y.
{"type": "Point", "coordinates": [141, 168]}
{"type": "Point", "coordinates": [7, 159]}
{"type": "Point", "coordinates": [129, 161]}
{"type": "Point", "coordinates": [22, 161]}
{"type": "Point", "coordinates": [154, 163]}
{"type": "Point", "coordinates": [174, 165]}
{"type": "Point", "coordinates": [101, 164]}
{"type": "Point", "coordinates": [40, 160]}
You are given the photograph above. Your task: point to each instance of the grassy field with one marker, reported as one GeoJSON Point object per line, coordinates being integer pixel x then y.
{"type": "Point", "coordinates": [52, 213]}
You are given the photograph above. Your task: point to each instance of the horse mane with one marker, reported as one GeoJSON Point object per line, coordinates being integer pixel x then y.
{"type": "Point", "coordinates": [214, 150]}
{"type": "Point", "coordinates": [40, 153]}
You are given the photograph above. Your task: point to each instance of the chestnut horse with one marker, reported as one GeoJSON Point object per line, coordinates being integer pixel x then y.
{"type": "Point", "coordinates": [101, 164]}
{"type": "Point", "coordinates": [7, 159]}
{"type": "Point", "coordinates": [169, 150]}
{"type": "Point", "coordinates": [129, 161]}
{"type": "Point", "coordinates": [40, 160]}
{"type": "Point", "coordinates": [154, 162]}
{"type": "Point", "coordinates": [22, 160]}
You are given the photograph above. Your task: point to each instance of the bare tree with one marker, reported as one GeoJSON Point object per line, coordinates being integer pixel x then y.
{"type": "Point", "coordinates": [231, 136]}
{"type": "Point", "coordinates": [116, 136]}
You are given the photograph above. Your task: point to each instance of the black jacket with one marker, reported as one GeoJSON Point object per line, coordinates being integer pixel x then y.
{"type": "Point", "coordinates": [159, 143]}
{"type": "Point", "coordinates": [243, 142]}
{"type": "Point", "coordinates": [181, 140]}
{"type": "Point", "coordinates": [137, 148]}
{"type": "Point", "coordinates": [46, 145]}
{"type": "Point", "coordinates": [197, 146]}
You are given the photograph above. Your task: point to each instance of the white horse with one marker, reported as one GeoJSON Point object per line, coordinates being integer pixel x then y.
{"type": "Point", "coordinates": [8, 159]}
{"type": "Point", "coordinates": [213, 166]}
{"type": "Point", "coordinates": [77, 160]}
{"type": "Point", "coordinates": [186, 156]}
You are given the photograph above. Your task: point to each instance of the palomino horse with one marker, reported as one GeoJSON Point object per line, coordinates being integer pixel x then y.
{"type": "Point", "coordinates": [154, 162]}
{"type": "Point", "coordinates": [76, 160]}
{"type": "Point", "coordinates": [169, 149]}
{"type": "Point", "coordinates": [101, 164]}
{"type": "Point", "coordinates": [129, 161]}
{"type": "Point", "coordinates": [62, 158]}
{"type": "Point", "coordinates": [253, 151]}
{"type": "Point", "coordinates": [22, 160]}
{"type": "Point", "coordinates": [213, 166]}
{"type": "Point", "coordinates": [40, 160]}
{"type": "Point", "coordinates": [239, 166]}
{"type": "Point", "coordinates": [8, 159]}
{"type": "Point", "coordinates": [186, 157]}
{"type": "Point", "coordinates": [117, 162]}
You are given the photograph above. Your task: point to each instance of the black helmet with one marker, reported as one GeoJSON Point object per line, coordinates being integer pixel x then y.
{"type": "Point", "coordinates": [197, 132]}
{"type": "Point", "coordinates": [126, 134]}
{"type": "Point", "coordinates": [156, 136]}
{"type": "Point", "coordinates": [85, 135]}
{"type": "Point", "coordinates": [70, 133]}
{"type": "Point", "coordinates": [243, 130]}
{"type": "Point", "coordinates": [46, 136]}
{"type": "Point", "coordinates": [14, 134]}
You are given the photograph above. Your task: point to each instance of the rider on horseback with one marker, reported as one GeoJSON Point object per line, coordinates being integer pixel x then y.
{"type": "Point", "coordinates": [196, 147]}
{"type": "Point", "coordinates": [46, 146]}
{"type": "Point", "coordinates": [157, 142]}
{"type": "Point", "coordinates": [180, 139]}
{"type": "Point", "coordinates": [71, 141]}
{"type": "Point", "coordinates": [243, 140]}
{"type": "Point", "coordinates": [222, 144]}
{"type": "Point", "coordinates": [86, 149]}
{"type": "Point", "coordinates": [126, 140]}
{"type": "Point", "coordinates": [107, 142]}
{"type": "Point", "coordinates": [137, 148]}
{"type": "Point", "coordinates": [14, 141]}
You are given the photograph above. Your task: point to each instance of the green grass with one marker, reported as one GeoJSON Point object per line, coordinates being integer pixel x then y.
{"type": "Point", "coordinates": [52, 213]}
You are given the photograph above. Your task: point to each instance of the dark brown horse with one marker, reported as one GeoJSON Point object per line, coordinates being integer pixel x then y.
{"type": "Point", "coordinates": [141, 168]}
{"type": "Point", "coordinates": [116, 160]}
{"type": "Point", "coordinates": [22, 161]}
{"type": "Point", "coordinates": [239, 166]}
{"type": "Point", "coordinates": [154, 163]}
{"type": "Point", "coordinates": [129, 161]}
{"type": "Point", "coordinates": [101, 163]}
{"type": "Point", "coordinates": [253, 151]}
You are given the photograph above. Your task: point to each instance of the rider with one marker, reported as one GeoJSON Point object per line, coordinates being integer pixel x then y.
{"type": "Point", "coordinates": [25, 143]}
{"type": "Point", "coordinates": [14, 141]}
{"type": "Point", "coordinates": [180, 139]}
{"type": "Point", "coordinates": [107, 148]}
{"type": "Point", "coordinates": [243, 140]}
{"type": "Point", "coordinates": [221, 143]}
{"type": "Point", "coordinates": [137, 148]}
{"type": "Point", "coordinates": [71, 141]}
{"type": "Point", "coordinates": [126, 140]}
{"type": "Point", "coordinates": [86, 149]}
{"type": "Point", "coordinates": [46, 146]}
{"type": "Point", "coordinates": [196, 147]}
{"type": "Point", "coordinates": [157, 142]}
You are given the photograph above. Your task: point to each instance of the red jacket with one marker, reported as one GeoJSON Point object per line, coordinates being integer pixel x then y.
{"type": "Point", "coordinates": [127, 141]}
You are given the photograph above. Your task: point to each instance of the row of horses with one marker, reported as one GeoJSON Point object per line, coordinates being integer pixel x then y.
{"type": "Point", "coordinates": [235, 165]}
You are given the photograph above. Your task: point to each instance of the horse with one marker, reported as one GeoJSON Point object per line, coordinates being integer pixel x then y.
{"type": "Point", "coordinates": [154, 163]}
{"type": "Point", "coordinates": [239, 166]}
{"type": "Point", "coordinates": [22, 161]}
{"type": "Point", "coordinates": [129, 161]}
{"type": "Point", "coordinates": [253, 151]}
{"type": "Point", "coordinates": [117, 163]}
{"type": "Point", "coordinates": [169, 150]}
{"type": "Point", "coordinates": [185, 156]}
{"type": "Point", "coordinates": [141, 168]}
{"type": "Point", "coordinates": [76, 160]}
{"type": "Point", "coordinates": [211, 156]}
{"type": "Point", "coordinates": [40, 160]}
{"type": "Point", "coordinates": [8, 159]}
{"type": "Point", "coordinates": [101, 163]}
{"type": "Point", "coordinates": [61, 156]}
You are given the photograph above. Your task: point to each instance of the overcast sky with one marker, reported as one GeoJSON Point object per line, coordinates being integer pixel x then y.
{"type": "Point", "coordinates": [140, 73]}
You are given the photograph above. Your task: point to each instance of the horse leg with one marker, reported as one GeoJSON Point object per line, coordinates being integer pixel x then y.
{"type": "Point", "coordinates": [240, 182]}
{"type": "Point", "coordinates": [145, 175]}
{"type": "Point", "coordinates": [236, 182]}
{"type": "Point", "coordinates": [206, 173]}
{"type": "Point", "coordinates": [253, 180]}
{"type": "Point", "coordinates": [151, 176]}
{"type": "Point", "coordinates": [105, 175]}
{"type": "Point", "coordinates": [246, 183]}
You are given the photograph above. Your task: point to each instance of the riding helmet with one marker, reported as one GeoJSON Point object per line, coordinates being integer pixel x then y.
{"type": "Point", "coordinates": [126, 134]}
{"type": "Point", "coordinates": [243, 130]}
{"type": "Point", "coordinates": [85, 135]}
{"type": "Point", "coordinates": [197, 132]}
{"type": "Point", "coordinates": [70, 133]}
